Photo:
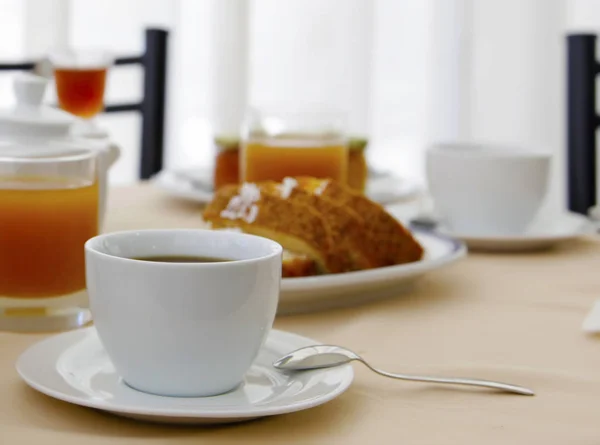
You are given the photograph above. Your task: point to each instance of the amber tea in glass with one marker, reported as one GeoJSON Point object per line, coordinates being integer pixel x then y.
{"type": "Point", "coordinates": [81, 91]}
{"type": "Point", "coordinates": [80, 77]}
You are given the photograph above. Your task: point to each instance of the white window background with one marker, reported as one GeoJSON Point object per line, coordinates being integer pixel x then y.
{"type": "Point", "coordinates": [367, 57]}
{"type": "Point", "coordinates": [409, 71]}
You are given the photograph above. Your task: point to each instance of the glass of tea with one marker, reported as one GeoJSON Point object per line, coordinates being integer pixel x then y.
{"type": "Point", "coordinates": [48, 210]}
{"type": "Point", "coordinates": [293, 141]}
{"type": "Point", "coordinates": [80, 77]}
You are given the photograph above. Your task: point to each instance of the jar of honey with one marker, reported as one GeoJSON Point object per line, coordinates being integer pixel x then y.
{"type": "Point", "coordinates": [357, 164]}
{"type": "Point", "coordinates": [227, 165]}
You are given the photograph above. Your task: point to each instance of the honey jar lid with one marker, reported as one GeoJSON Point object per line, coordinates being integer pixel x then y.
{"type": "Point", "coordinates": [357, 144]}
{"type": "Point", "coordinates": [227, 143]}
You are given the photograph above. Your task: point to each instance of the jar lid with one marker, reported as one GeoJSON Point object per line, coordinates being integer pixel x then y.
{"type": "Point", "coordinates": [227, 143]}
{"type": "Point", "coordinates": [357, 144]}
{"type": "Point", "coordinates": [29, 117]}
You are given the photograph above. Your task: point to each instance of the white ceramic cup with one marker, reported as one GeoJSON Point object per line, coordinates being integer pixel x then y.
{"type": "Point", "coordinates": [182, 329]}
{"type": "Point", "coordinates": [485, 190]}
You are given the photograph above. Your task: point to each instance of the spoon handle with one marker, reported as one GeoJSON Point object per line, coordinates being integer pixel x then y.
{"type": "Point", "coordinates": [457, 381]}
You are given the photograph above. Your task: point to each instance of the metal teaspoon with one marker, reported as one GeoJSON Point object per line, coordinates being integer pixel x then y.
{"type": "Point", "coordinates": [326, 356]}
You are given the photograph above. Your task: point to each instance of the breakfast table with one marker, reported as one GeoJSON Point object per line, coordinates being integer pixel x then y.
{"type": "Point", "coordinates": [508, 317]}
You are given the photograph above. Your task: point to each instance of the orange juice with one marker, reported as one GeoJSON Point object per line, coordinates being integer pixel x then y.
{"type": "Point", "coordinates": [276, 159]}
{"type": "Point", "coordinates": [44, 223]}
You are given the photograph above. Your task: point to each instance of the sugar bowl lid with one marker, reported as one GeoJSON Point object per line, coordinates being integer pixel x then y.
{"type": "Point", "coordinates": [29, 117]}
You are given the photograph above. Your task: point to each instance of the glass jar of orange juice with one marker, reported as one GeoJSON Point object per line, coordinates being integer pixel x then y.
{"type": "Point", "coordinates": [48, 210]}
{"type": "Point", "coordinates": [293, 142]}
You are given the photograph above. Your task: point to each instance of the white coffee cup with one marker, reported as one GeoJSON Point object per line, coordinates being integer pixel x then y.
{"type": "Point", "coordinates": [481, 189]}
{"type": "Point", "coordinates": [182, 329]}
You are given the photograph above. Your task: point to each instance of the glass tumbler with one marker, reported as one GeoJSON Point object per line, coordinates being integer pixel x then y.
{"type": "Point", "coordinates": [294, 141]}
{"type": "Point", "coordinates": [80, 77]}
{"type": "Point", "coordinates": [48, 210]}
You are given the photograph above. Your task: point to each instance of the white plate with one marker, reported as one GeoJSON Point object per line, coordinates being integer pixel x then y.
{"type": "Point", "coordinates": [195, 184]}
{"type": "Point", "coordinates": [74, 367]}
{"type": "Point", "coordinates": [323, 292]}
{"type": "Point", "coordinates": [544, 233]}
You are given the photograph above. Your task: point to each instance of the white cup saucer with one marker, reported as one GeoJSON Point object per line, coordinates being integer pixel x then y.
{"type": "Point", "coordinates": [544, 232]}
{"type": "Point", "coordinates": [74, 367]}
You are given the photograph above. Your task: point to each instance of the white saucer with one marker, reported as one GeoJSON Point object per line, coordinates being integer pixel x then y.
{"type": "Point", "coordinates": [195, 184]}
{"type": "Point", "coordinates": [544, 233]}
{"type": "Point", "coordinates": [74, 367]}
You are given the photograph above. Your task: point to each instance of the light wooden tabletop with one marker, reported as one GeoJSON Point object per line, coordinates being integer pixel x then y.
{"type": "Point", "coordinates": [513, 318]}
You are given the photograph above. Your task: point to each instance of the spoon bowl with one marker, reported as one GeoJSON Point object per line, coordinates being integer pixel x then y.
{"type": "Point", "coordinates": [315, 357]}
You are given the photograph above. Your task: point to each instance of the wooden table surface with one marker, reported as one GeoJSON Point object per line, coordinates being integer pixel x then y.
{"type": "Point", "coordinates": [515, 318]}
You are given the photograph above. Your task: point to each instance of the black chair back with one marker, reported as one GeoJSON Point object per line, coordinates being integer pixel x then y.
{"type": "Point", "coordinates": [582, 121]}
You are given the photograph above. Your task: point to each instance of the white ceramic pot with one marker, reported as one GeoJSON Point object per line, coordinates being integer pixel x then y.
{"type": "Point", "coordinates": [40, 129]}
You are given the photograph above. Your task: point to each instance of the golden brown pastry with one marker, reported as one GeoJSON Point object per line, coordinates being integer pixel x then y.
{"type": "Point", "coordinates": [384, 239]}
{"type": "Point", "coordinates": [322, 221]}
{"type": "Point", "coordinates": [260, 210]}
{"type": "Point", "coordinates": [297, 265]}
